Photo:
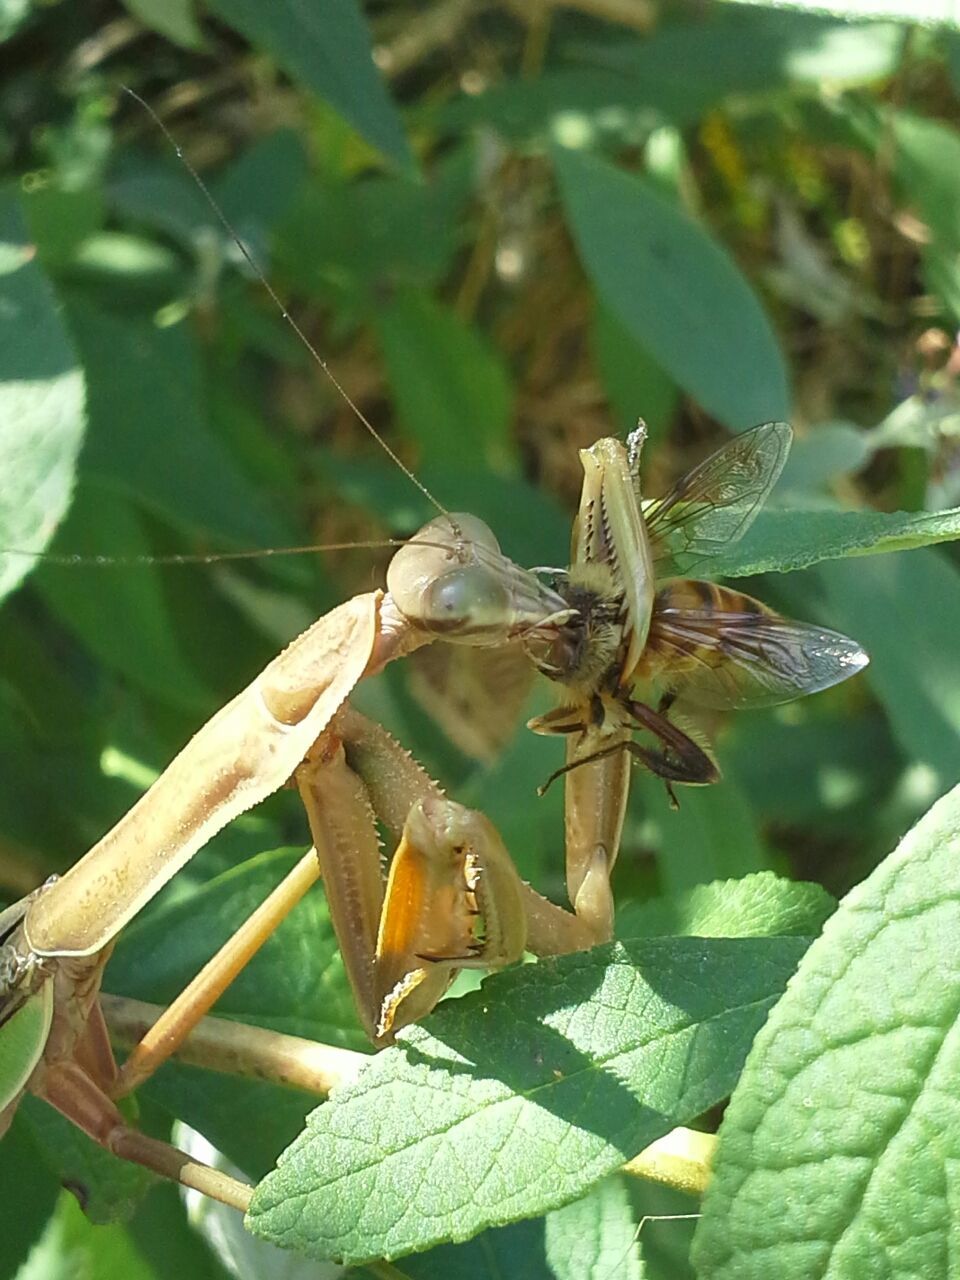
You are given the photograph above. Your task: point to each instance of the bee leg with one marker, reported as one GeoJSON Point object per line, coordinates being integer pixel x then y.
{"type": "Point", "coordinates": [683, 760]}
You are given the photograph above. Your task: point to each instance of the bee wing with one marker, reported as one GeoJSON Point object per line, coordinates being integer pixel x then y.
{"type": "Point", "coordinates": [717, 501]}
{"type": "Point", "coordinates": [719, 649]}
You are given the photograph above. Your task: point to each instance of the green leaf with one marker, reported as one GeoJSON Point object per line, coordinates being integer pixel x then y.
{"type": "Point", "coordinates": [452, 391]}
{"type": "Point", "coordinates": [518, 1098]}
{"type": "Point", "coordinates": [41, 404]}
{"type": "Point", "coordinates": [785, 540]}
{"type": "Point", "coordinates": [594, 1238]}
{"type": "Point", "coordinates": [28, 1192]}
{"type": "Point", "coordinates": [762, 905]}
{"type": "Point", "coordinates": [327, 48]}
{"type": "Point", "coordinates": [930, 11]}
{"type": "Point", "coordinates": [149, 431]}
{"type": "Point", "coordinates": [905, 611]}
{"type": "Point", "coordinates": [636, 385]}
{"type": "Point", "coordinates": [174, 19]}
{"type": "Point", "coordinates": [108, 1188]}
{"type": "Point", "coordinates": [676, 290]}
{"type": "Point", "coordinates": [835, 1152]}
{"type": "Point", "coordinates": [72, 1246]}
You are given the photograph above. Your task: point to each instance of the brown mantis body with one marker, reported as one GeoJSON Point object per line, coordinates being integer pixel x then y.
{"type": "Point", "coordinates": [290, 723]}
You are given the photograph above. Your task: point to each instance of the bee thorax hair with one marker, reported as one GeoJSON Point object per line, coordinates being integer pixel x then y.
{"type": "Point", "coordinates": [588, 647]}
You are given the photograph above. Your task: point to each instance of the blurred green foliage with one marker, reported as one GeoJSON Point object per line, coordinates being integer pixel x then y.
{"type": "Point", "coordinates": [511, 231]}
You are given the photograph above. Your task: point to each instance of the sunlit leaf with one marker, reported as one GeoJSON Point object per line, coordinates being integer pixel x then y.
{"type": "Point", "coordinates": [521, 1096]}
{"type": "Point", "coordinates": [328, 50]}
{"type": "Point", "coordinates": [41, 404]}
{"type": "Point", "coordinates": [833, 1117]}
{"type": "Point", "coordinates": [676, 290]}
{"type": "Point", "coordinates": [759, 905]}
{"type": "Point", "coordinates": [783, 540]}
{"type": "Point", "coordinates": [932, 11]}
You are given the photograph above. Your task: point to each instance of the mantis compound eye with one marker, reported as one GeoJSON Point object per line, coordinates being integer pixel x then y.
{"type": "Point", "coordinates": [468, 599]}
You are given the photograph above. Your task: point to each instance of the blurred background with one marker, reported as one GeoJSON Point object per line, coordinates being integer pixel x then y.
{"type": "Point", "coordinates": [513, 229]}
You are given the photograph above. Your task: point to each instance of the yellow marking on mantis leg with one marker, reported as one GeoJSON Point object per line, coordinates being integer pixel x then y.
{"type": "Point", "coordinates": [453, 900]}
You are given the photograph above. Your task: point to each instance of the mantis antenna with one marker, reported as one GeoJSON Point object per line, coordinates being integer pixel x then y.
{"type": "Point", "coordinates": [276, 299]}
{"type": "Point", "coordinates": [200, 558]}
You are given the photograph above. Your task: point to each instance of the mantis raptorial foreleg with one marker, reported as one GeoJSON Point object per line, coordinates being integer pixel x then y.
{"type": "Point", "coordinates": [450, 869]}
{"type": "Point", "coordinates": [454, 899]}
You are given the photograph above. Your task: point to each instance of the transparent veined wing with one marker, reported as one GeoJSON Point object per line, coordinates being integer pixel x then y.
{"type": "Point", "coordinates": [719, 649]}
{"type": "Point", "coordinates": [716, 502]}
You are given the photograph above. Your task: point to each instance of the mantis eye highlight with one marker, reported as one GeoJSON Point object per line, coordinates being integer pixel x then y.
{"type": "Point", "coordinates": [471, 598]}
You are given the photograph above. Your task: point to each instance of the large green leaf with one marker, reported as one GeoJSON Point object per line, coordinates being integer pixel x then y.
{"type": "Point", "coordinates": [327, 48]}
{"type": "Point", "coordinates": [676, 290]}
{"type": "Point", "coordinates": [905, 611]}
{"type": "Point", "coordinates": [149, 432]}
{"type": "Point", "coordinates": [521, 1096]}
{"type": "Point", "coordinates": [41, 403]}
{"type": "Point", "coordinates": [838, 1152]}
{"type": "Point", "coordinates": [782, 540]}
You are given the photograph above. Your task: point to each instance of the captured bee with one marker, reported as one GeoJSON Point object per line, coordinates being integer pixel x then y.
{"type": "Point", "coordinates": [648, 649]}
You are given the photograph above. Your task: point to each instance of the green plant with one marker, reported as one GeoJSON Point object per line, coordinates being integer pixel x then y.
{"type": "Point", "coordinates": [519, 236]}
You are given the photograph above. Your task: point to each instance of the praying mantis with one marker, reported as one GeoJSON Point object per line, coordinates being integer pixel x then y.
{"type": "Point", "coordinates": [618, 619]}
